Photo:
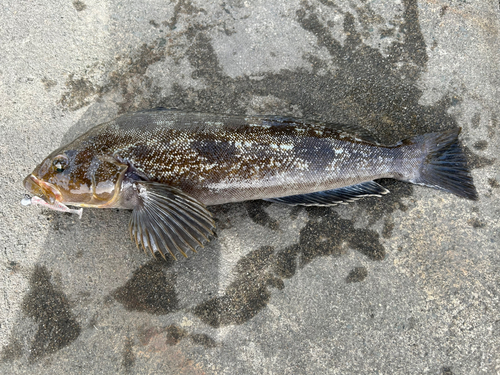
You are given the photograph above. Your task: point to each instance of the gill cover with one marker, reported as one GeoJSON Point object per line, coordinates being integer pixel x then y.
{"type": "Point", "coordinates": [106, 175]}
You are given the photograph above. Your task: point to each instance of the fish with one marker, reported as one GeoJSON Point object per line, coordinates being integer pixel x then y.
{"type": "Point", "coordinates": [168, 166]}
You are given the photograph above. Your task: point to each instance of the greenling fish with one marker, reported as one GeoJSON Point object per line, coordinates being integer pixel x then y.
{"type": "Point", "coordinates": [167, 166]}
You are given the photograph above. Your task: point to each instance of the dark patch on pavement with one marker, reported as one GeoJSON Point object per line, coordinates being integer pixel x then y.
{"type": "Point", "coordinates": [13, 266]}
{"type": "Point", "coordinates": [444, 8]}
{"type": "Point", "coordinates": [367, 85]}
{"type": "Point", "coordinates": [149, 289]}
{"type": "Point", "coordinates": [48, 83]}
{"type": "Point", "coordinates": [203, 339]}
{"type": "Point", "coordinates": [12, 351]}
{"type": "Point", "coordinates": [173, 334]}
{"type": "Point", "coordinates": [128, 356]}
{"type": "Point", "coordinates": [286, 262]}
{"type": "Point", "coordinates": [356, 275]}
{"type": "Point", "coordinates": [49, 307]}
{"type": "Point", "coordinates": [493, 183]}
{"type": "Point", "coordinates": [61, 222]}
{"type": "Point", "coordinates": [446, 371]}
{"type": "Point", "coordinates": [388, 227]}
{"type": "Point", "coordinates": [475, 161]}
{"type": "Point", "coordinates": [476, 223]}
{"type": "Point", "coordinates": [259, 216]}
{"type": "Point", "coordinates": [223, 215]}
{"type": "Point", "coordinates": [130, 80]}
{"type": "Point", "coordinates": [81, 92]}
{"type": "Point", "coordinates": [476, 120]}
{"type": "Point", "coordinates": [379, 207]}
{"type": "Point", "coordinates": [481, 145]}
{"type": "Point", "coordinates": [325, 234]}
{"type": "Point", "coordinates": [182, 7]}
{"type": "Point", "coordinates": [79, 5]}
{"type": "Point", "coordinates": [246, 295]}
{"type": "Point", "coordinates": [367, 88]}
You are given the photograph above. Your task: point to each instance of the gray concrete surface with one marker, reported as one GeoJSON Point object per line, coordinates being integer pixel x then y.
{"type": "Point", "coordinates": [405, 284]}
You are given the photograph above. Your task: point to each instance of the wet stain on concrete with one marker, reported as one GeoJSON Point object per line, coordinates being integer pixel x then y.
{"type": "Point", "coordinates": [222, 215]}
{"type": "Point", "coordinates": [444, 8]}
{"type": "Point", "coordinates": [130, 80]}
{"type": "Point", "coordinates": [150, 289]}
{"type": "Point", "coordinates": [203, 339]}
{"type": "Point", "coordinates": [79, 5]}
{"type": "Point", "coordinates": [351, 94]}
{"type": "Point", "coordinates": [493, 183]}
{"type": "Point", "coordinates": [48, 83]}
{"type": "Point", "coordinates": [81, 92]}
{"type": "Point", "coordinates": [61, 222]}
{"type": "Point", "coordinates": [446, 371]}
{"type": "Point", "coordinates": [474, 161]}
{"type": "Point", "coordinates": [377, 208]}
{"type": "Point", "coordinates": [259, 216]}
{"type": "Point", "coordinates": [476, 223]}
{"type": "Point", "coordinates": [173, 335]}
{"type": "Point", "coordinates": [388, 227]}
{"type": "Point", "coordinates": [326, 234]}
{"type": "Point", "coordinates": [128, 356]}
{"type": "Point", "coordinates": [357, 275]}
{"type": "Point", "coordinates": [393, 107]}
{"type": "Point", "coordinates": [245, 296]}
{"type": "Point", "coordinates": [182, 7]}
{"type": "Point", "coordinates": [13, 267]}
{"type": "Point", "coordinates": [12, 351]}
{"type": "Point", "coordinates": [476, 120]}
{"type": "Point", "coordinates": [49, 307]}
{"type": "Point", "coordinates": [481, 145]}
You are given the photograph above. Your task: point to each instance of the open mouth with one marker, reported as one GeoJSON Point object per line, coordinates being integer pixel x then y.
{"type": "Point", "coordinates": [42, 189]}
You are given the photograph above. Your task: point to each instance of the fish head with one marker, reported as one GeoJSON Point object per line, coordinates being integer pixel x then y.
{"type": "Point", "coordinates": [77, 177]}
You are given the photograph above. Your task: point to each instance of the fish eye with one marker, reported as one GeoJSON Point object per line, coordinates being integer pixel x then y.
{"type": "Point", "coordinates": [59, 163]}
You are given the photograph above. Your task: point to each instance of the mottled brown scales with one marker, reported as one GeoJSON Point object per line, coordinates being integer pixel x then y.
{"type": "Point", "coordinates": [265, 157]}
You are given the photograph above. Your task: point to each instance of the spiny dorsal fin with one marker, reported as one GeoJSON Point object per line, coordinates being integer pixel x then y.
{"type": "Point", "coordinates": [332, 197]}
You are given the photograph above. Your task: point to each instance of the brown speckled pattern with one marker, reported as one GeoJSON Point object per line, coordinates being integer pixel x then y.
{"type": "Point", "coordinates": [218, 159]}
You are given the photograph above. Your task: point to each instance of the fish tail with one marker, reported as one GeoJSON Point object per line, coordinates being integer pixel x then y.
{"type": "Point", "coordinates": [444, 165]}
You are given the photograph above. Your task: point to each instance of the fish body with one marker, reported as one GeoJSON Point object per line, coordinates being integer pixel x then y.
{"type": "Point", "coordinates": [167, 165]}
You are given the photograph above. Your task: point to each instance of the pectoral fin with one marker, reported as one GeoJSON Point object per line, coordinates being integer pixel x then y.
{"type": "Point", "coordinates": [166, 219]}
{"type": "Point", "coordinates": [332, 197]}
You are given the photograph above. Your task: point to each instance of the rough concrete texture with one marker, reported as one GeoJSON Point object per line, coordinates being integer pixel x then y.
{"type": "Point", "coordinates": [404, 284]}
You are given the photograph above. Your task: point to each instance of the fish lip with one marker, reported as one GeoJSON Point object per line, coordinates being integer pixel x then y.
{"type": "Point", "coordinates": [45, 190]}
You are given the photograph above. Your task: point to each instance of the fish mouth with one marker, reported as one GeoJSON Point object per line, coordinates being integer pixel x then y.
{"type": "Point", "coordinates": [42, 189]}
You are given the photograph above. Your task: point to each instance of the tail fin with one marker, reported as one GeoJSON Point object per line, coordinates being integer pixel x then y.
{"type": "Point", "coordinates": [444, 166]}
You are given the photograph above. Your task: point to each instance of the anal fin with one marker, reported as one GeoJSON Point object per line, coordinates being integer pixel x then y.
{"type": "Point", "coordinates": [332, 197]}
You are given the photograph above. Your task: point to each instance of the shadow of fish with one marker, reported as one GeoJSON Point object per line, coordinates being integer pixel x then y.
{"type": "Point", "coordinates": [167, 166]}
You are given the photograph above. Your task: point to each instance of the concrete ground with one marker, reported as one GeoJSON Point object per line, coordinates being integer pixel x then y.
{"type": "Point", "coordinates": [404, 284]}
